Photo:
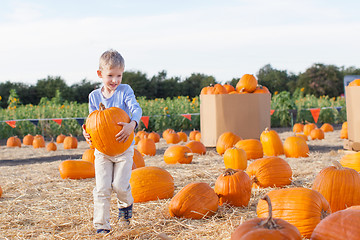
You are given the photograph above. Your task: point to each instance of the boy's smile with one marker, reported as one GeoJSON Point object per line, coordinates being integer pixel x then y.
{"type": "Point", "coordinates": [112, 78]}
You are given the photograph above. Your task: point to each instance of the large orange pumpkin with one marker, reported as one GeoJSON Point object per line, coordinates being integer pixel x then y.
{"type": "Point", "coordinates": [302, 207]}
{"type": "Point", "coordinates": [197, 147]}
{"type": "Point", "coordinates": [233, 187]}
{"type": "Point", "coordinates": [271, 143]}
{"type": "Point", "coordinates": [341, 225]}
{"type": "Point", "coordinates": [225, 141]}
{"type": "Point", "coordinates": [196, 201]}
{"type": "Point", "coordinates": [340, 186]}
{"type": "Point", "coordinates": [76, 169]}
{"type": "Point", "coordinates": [266, 228]}
{"type": "Point", "coordinates": [252, 147]}
{"type": "Point", "coordinates": [270, 172]}
{"type": "Point", "coordinates": [295, 147]}
{"type": "Point", "coordinates": [247, 83]}
{"type": "Point", "coordinates": [102, 125]}
{"type": "Point", "coordinates": [151, 183]}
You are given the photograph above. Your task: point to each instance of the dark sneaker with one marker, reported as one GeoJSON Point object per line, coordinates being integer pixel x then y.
{"type": "Point", "coordinates": [125, 214]}
{"type": "Point", "coordinates": [102, 231]}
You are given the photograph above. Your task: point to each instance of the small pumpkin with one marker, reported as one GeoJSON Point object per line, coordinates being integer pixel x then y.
{"type": "Point", "coordinates": [317, 133]}
{"type": "Point", "coordinates": [354, 83]}
{"type": "Point", "coordinates": [247, 83]}
{"type": "Point", "coordinates": [197, 147]}
{"type": "Point", "coordinates": [1, 191]}
{"type": "Point", "coordinates": [271, 142]}
{"type": "Point", "coordinates": [178, 154]}
{"type": "Point", "coordinates": [295, 147]}
{"type": "Point", "coordinates": [229, 88]}
{"type": "Point", "coordinates": [340, 186]}
{"type": "Point", "coordinates": [172, 137]}
{"type": "Point", "coordinates": [142, 133]}
{"type": "Point", "coordinates": [195, 201]}
{"type": "Point", "coordinates": [261, 89]}
{"type": "Point", "coordinates": [51, 146]}
{"type": "Point", "coordinates": [70, 142]}
{"type": "Point", "coordinates": [154, 136]}
{"type": "Point", "coordinates": [138, 159]}
{"type": "Point", "coordinates": [308, 128]}
{"type": "Point", "coordinates": [183, 136]}
{"type": "Point", "coordinates": [13, 142]}
{"type": "Point", "coordinates": [269, 172]}
{"type": "Point", "coordinates": [233, 187]}
{"type": "Point", "coordinates": [146, 146]}
{"type": "Point", "coordinates": [192, 134]}
{"type": "Point", "coordinates": [302, 207]}
{"type": "Point", "coordinates": [151, 183]}
{"type": "Point", "coordinates": [166, 132]}
{"type": "Point", "coordinates": [60, 138]}
{"type": "Point", "coordinates": [76, 169]}
{"type": "Point", "coordinates": [252, 147]}
{"type": "Point", "coordinates": [28, 140]}
{"type": "Point", "coordinates": [102, 125]}
{"type": "Point", "coordinates": [38, 142]}
{"type": "Point", "coordinates": [266, 228]}
{"type": "Point", "coordinates": [298, 128]}
{"type": "Point", "coordinates": [327, 127]}
{"type": "Point", "coordinates": [219, 89]}
{"type": "Point", "coordinates": [225, 141]}
{"type": "Point", "coordinates": [340, 225]}
{"type": "Point", "coordinates": [198, 137]}
{"type": "Point", "coordinates": [88, 155]}
{"type": "Point", "coordinates": [235, 158]}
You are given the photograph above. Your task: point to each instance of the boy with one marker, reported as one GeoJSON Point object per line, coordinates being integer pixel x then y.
{"type": "Point", "coordinates": [113, 173]}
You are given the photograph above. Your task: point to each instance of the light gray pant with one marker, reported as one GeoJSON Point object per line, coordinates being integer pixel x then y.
{"type": "Point", "coordinates": [111, 173]}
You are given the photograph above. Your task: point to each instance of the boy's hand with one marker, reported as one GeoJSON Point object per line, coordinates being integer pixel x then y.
{"type": "Point", "coordinates": [125, 132]}
{"type": "Point", "coordinates": [85, 134]}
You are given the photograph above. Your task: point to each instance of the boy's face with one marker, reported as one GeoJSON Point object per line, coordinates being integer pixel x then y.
{"type": "Point", "coordinates": [111, 77]}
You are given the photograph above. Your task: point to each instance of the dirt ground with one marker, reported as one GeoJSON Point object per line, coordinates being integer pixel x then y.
{"type": "Point", "coordinates": [38, 204]}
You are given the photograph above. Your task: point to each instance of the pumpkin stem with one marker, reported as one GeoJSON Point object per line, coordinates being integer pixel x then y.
{"type": "Point", "coordinates": [188, 154]}
{"type": "Point", "coordinates": [269, 222]}
{"type": "Point", "coordinates": [229, 172]}
{"type": "Point", "coordinates": [101, 107]}
{"type": "Point", "coordinates": [338, 165]}
{"type": "Point", "coordinates": [324, 214]}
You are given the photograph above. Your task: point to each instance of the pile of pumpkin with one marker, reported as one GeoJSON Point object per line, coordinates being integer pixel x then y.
{"type": "Point", "coordinates": [246, 84]}
{"type": "Point", "coordinates": [38, 141]}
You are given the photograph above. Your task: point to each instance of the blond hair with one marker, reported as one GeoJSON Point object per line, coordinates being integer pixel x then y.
{"type": "Point", "coordinates": [111, 59]}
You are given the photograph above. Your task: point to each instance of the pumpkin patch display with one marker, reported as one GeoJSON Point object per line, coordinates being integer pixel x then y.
{"type": "Point", "coordinates": [247, 83]}
{"type": "Point", "coordinates": [295, 147]}
{"type": "Point", "coordinates": [271, 143]}
{"type": "Point", "coordinates": [225, 141]}
{"type": "Point", "coordinates": [89, 156]}
{"type": "Point", "coordinates": [270, 172]}
{"type": "Point", "coordinates": [266, 228]}
{"type": "Point", "coordinates": [302, 207]}
{"type": "Point", "coordinates": [151, 183]}
{"type": "Point", "coordinates": [351, 161]}
{"type": "Point", "coordinates": [235, 158]}
{"type": "Point", "coordinates": [146, 146]}
{"type": "Point", "coordinates": [233, 187]}
{"type": "Point", "coordinates": [13, 142]}
{"type": "Point", "coordinates": [178, 154]}
{"type": "Point", "coordinates": [28, 140]}
{"type": "Point", "coordinates": [340, 186]}
{"type": "Point", "coordinates": [252, 147]}
{"type": "Point", "coordinates": [340, 225]}
{"type": "Point", "coordinates": [102, 125]}
{"type": "Point", "coordinates": [76, 169]}
{"type": "Point", "coordinates": [195, 201]}
{"type": "Point", "coordinates": [70, 142]}
{"type": "Point", "coordinates": [196, 147]}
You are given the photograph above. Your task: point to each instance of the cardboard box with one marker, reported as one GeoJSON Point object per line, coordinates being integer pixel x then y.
{"type": "Point", "coordinates": [246, 115]}
{"type": "Point", "coordinates": [353, 118]}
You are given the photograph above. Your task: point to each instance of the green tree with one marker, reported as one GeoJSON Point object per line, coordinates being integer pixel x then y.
{"type": "Point", "coordinates": [47, 87]}
{"type": "Point", "coordinates": [321, 80]}
{"type": "Point", "coordinates": [138, 82]}
{"type": "Point", "coordinates": [192, 85]}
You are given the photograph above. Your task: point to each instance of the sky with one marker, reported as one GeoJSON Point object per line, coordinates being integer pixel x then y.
{"type": "Point", "coordinates": [223, 39]}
